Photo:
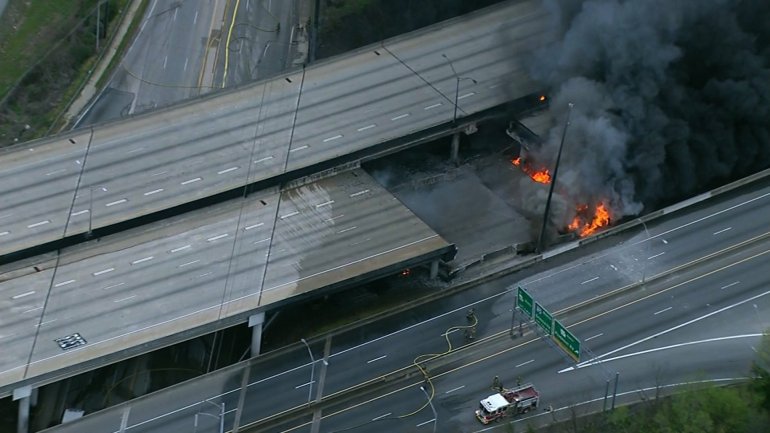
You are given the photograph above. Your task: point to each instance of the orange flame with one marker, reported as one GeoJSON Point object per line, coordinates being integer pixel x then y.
{"type": "Point", "coordinates": [585, 224]}
{"type": "Point", "coordinates": [540, 176]}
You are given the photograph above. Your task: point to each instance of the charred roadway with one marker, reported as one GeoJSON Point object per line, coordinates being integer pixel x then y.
{"type": "Point", "coordinates": [730, 288]}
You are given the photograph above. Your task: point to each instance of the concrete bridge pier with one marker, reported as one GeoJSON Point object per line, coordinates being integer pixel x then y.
{"type": "Point", "coordinates": [255, 323]}
{"type": "Point", "coordinates": [26, 397]}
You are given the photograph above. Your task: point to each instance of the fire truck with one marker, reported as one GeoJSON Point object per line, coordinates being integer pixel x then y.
{"type": "Point", "coordinates": [512, 402]}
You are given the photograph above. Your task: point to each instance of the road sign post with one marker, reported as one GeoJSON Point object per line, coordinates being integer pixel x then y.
{"type": "Point", "coordinates": [566, 340]}
{"type": "Point", "coordinates": [524, 301]}
{"type": "Point", "coordinates": [544, 319]}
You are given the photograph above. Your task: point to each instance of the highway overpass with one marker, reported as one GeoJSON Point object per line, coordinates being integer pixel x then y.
{"type": "Point", "coordinates": [269, 131]}
{"type": "Point", "coordinates": [187, 276]}
{"type": "Point", "coordinates": [702, 319]}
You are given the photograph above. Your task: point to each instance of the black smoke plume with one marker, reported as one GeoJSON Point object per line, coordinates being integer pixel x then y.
{"type": "Point", "coordinates": [671, 97]}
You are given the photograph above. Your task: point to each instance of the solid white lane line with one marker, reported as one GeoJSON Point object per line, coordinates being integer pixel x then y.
{"type": "Point", "coordinates": [326, 140]}
{"type": "Point", "coordinates": [38, 224]}
{"type": "Point", "coordinates": [304, 384]}
{"type": "Point", "coordinates": [595, 336]}
{"type": "Point", "coordinates": [176, 250]}
{"type": "Point", "coordinates": [228, 170]}
{"type": "Point", "coordinates": [188, 263]}
{"type": "Point", "coordinates": [4, 233]}
{"type": "Point", "coordinates": [223, 235]}
{"type": "Point", "coordinates": [430, 107]}
{"type": "Point", "coordinates": [662, 311]}
{"type": "Point", "coordinates": [56, 171]}
{"type": "Point", "coordinates": [124, 299]}
{"type": "Point", "coordinates": [253, 226]}
{"type": "Point", "coordinates": [729, 285]}
{"type": "Point", "coordinates": [326, 203]}
{"type": "Point", "coordinates": [299, 148]}
{"type": "Point", "coordinates": [21, 295]}
{"type": "Point", "coordinates": [289, 215]}
{"type": "Point", "coordinates": [364, 128]}
{"type": "Point", "coordinates": [376, 359]}
{"type": "Point", "coordinates": [588, 281]}
{"type": "Point", "coordinates": [426, 422]}
{"type": "Point", "coordinates": [102, 272]}
{"type": "Point", "coordinates": [356, 194]}
{"type": "Point", "coordinates": [113, 286]}
{"type": "Point", "coordinates": [64, 283]}
{"type": "Point", "coordinates": [382, 416]}
{"type": "Point", "coordinates": [454, 389]}
{"type": "Point", "coordinates": [525, 363]}
{"type": "Point", "coordinates": [347, 229]}
{"type": "Point", "coordinates": [155, 191]}
{"type": "Point", "coordinates": [401, 116]}
{"type": "Point", "coordinates": [599, 358]}
{"type": "Point", "coordinates": [466, 95]}
{"type": "Point", "coordinates": [262, 240]}
{"type": "Point", "coordinates": [658, 349]}
{"type": "Point", "coordinates": [191, 181]}
{"type": "Point", "coordinates": [263, 159]}
{"type": "Point", "coordinates": [722, 231]}
{"type": "Point", "coordinates": [116, 202]}
{"type": "Point", "coordinates": [80, 212]}
{"type": "Point", "coordinates": [135, 262]}
{"type": "Point", "coordinates": [656, 255]}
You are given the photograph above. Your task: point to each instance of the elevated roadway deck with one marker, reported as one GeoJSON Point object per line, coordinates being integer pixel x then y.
{"type": "Point", "coordinates": [94, 178]}
{"type": "Point", "coordinates": [189, 275]}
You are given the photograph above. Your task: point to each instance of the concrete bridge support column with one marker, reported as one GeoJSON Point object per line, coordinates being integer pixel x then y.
{"type": "Point", "coordinates": [454, 155]}
{"type": "Point", "coordinates": [255, 323]}
{"type": "Point", "coordinates": [23, 396]}
{"type": "Point", "coordinates": [434, 269]}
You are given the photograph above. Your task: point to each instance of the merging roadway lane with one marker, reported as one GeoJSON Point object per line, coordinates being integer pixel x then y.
{"type": "Point", "coordinates": [282, 383]}
{"type": "Point", "coordinates": [96, 177]}
{"type": "Point", "coordinates": [140, 288]}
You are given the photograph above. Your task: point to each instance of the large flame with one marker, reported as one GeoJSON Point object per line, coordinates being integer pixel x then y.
{"type": "Point", "coordinates": [540, 176]}
{"type": "Point", "coordinates": [585, 224]}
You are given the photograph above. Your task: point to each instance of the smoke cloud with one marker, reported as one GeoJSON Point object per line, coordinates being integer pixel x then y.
{"type": "Point", "coordinates": [670, 98]}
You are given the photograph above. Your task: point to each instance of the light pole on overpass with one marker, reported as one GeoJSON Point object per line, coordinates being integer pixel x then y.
{"type": "Point", "coordinates": [312, 370]}
{"type": "Point", "coordinates": [457, 86]}
{"type": "Point", "coordinates": [541, 238]}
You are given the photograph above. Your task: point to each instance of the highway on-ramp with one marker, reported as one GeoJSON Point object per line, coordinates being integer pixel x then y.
{"type": "Point", "coordinates": [719, 296]}
{"type": "Point", "coordinates": [90, 178]}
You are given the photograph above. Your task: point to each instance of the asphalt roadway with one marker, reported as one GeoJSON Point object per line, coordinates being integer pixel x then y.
{"type": "Point", "coordinates": [96, 177]}
{"type": "Point", "coordinates": [136, 289]}
{"type": "Point", "coordinates": [697, 324]}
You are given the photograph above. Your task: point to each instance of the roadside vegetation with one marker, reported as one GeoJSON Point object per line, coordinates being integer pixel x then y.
{"type": "Point", "coordinates": [348, 24]}
{"type": "Point", "coordinates": [47, 48]}
{"type": "Point", "coordinates": [729, 409]}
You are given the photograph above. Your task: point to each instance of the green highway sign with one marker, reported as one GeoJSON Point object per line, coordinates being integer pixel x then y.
{"type": "Point", "coordinates": [566, 340]}
{"type": "Point", "coordinates": [543, 318]}
{"type": "Point", "coordinates": [524, 301]}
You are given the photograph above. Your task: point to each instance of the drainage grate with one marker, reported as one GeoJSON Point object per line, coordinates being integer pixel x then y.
{"type": "Point", "coordinates": [71, 341]}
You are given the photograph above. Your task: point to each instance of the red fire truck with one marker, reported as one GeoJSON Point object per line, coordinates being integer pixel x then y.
{"type": "Point", "coordinates": [514, 401]}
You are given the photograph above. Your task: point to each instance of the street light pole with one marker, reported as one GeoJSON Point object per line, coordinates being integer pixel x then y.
{"type": "Point", "coordinates": [221, 416]}
{"type": "Point", "coordinates": [541, 238]}
{"type": "Point", "coordinates": [312, 370]}
{"type": "Point", "coordinates": [457, 86]}
{"type": "Point", "coordinates": [430, 402]}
